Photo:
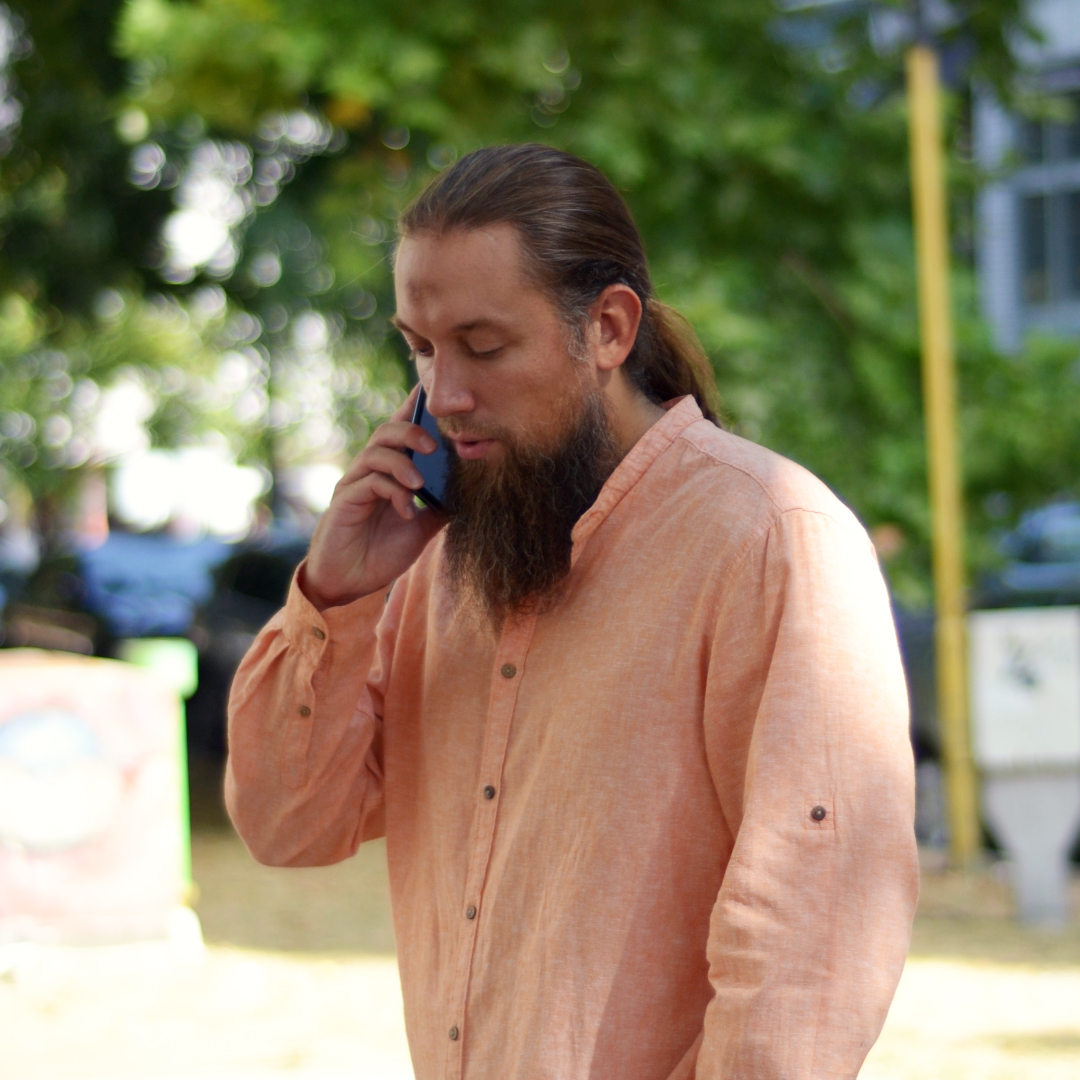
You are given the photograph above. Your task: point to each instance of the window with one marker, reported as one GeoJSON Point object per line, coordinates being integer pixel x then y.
{"type": "Point", "coordinates": [1073, 243]}
{"type": "Point", "coordinates": [1050, 231]}
{"type": "Point", "coordinates": [1029, 209]}
{"type": "Point", "coordinates": [1052, 140]}
{"type": "Point", "coordinates": [1048, 192]}
{"type": "Point", "coordinates": [1033, 230]}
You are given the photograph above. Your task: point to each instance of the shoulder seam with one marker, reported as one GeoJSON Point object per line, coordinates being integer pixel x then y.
{"type": "Point", "coordinates": [766, 528]}
{"type": "Point", "coordinates": [766, 490]}
{"type": "Point", "coordinates": [731, 465]}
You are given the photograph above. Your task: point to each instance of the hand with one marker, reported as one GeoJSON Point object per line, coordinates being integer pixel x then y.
{"type": "Point", "coordinates": [372, 531]}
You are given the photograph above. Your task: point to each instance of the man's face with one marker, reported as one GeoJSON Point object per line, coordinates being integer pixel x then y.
{"type": "Point", "coordinates": [489, 345]}
{"type": "Point", "coordinates": [529, 424]}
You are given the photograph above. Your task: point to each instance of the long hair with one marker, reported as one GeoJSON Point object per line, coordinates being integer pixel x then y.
{"type": "Point", "coordinates": [578, 237]}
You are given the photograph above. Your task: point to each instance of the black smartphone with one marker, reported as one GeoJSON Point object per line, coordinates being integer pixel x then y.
{"type": "Point", "coordinates": [433, 467]}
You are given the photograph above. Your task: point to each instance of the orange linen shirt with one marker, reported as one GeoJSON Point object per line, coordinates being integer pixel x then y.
{"type": "Point", "coordinates": [607, 858]}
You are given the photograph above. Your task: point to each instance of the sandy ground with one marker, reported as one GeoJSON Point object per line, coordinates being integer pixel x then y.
{"type": "Point", "coordinates": [297, 981]}
{"type": "Point", "coordinates": [982, 998]}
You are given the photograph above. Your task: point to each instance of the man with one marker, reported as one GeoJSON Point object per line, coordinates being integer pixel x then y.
{"type": "Point", "coordinates": [633, 722]}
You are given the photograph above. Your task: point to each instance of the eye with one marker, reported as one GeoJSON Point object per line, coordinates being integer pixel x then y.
{"type": "Point", "coordinates": [485, 354]}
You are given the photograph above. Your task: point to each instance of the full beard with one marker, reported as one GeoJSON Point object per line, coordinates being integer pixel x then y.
{"type": "Point", "coordinates": [507, 543]}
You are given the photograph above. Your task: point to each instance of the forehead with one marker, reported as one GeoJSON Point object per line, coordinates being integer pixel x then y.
{"type": "Point", "coordinates": [462, 277]}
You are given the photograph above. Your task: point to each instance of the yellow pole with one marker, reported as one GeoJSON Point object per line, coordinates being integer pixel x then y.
{"type": "Point", "coordinates": [939, 403]}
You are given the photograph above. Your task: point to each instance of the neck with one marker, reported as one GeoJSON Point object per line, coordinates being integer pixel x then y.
{"type": "Point", "coordinates": [631, 412]}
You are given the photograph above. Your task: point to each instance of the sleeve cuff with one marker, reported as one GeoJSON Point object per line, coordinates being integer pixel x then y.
{"type": "Point", "coordinates": [308, 629]}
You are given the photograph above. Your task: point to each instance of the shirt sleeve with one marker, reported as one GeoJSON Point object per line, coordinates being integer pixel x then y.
{"type": "Point", "coordinates": [806, 724]}
{"type": "Point", "coordinates": [304, 779]}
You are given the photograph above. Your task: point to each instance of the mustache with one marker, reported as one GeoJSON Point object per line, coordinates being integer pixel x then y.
{"type": "Point", "coordinates": [454, 428]}
{"type": "Point", "coordinates": [466, 428]}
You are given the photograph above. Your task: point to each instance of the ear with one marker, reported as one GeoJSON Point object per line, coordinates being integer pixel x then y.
{"type": "Point", "coordinates": [614, 316]}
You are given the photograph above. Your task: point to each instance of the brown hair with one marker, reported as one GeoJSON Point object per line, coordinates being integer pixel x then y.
{"type": "Point", "coordinates": [579, 238]}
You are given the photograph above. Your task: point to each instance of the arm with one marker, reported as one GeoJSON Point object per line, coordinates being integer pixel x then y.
{"type": "Point", "coordinates": [806, 708]}
{"type": "Point", "coordinates": [304, 778]}
{"type": "Point", "coordinates": [303, 783]}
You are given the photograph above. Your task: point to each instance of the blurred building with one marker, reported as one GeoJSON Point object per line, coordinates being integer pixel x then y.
{"type": "Point", "coordinates": [1029, 215]}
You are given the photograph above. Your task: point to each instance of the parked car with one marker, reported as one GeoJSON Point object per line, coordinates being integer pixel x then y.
{"type": "Point", "coordinates": [249, 587]}
{"type": "Point", "coordinates": [1043, 567]}
{"type": "Point", "coordinates": [133, 585]}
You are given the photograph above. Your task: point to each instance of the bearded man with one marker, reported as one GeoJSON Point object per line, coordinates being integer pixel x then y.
{"type": "Point", "coordinates": [633, 722]}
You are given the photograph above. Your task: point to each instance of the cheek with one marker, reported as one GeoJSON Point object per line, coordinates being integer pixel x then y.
{"type": "Point", "coordinates": [536, 403]}
{"type": "Point", "coordinates": [533, 390]}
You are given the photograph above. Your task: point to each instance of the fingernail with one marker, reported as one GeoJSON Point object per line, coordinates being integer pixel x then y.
{"type": "Point", "coordinates": [430, 443]}
{"type": "Point", "coordinates": [416, 480]}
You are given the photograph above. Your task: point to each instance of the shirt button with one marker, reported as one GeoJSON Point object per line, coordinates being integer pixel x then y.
{"type": "Point", "coordinates": [508, 671]}
{"type": "Point", "coordinates": [470, 912]}
{"type": "Point", "coordinates": [453, 1034]}
{"type": "Point", "coordinates": [319, 632]}
{"type": "Point", "coordinates": [489, 792]}
{"type": "Point", "coordinates": [818, 813]}
{"type": "Point", "coordinates": [304, 710]}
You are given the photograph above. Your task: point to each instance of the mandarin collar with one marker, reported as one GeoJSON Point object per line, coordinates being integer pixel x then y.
{"type": "Point", "coordinates": [680, 413]}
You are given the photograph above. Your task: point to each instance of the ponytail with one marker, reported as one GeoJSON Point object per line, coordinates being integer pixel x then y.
{"type": "Point", "coordinates": [673, 363]}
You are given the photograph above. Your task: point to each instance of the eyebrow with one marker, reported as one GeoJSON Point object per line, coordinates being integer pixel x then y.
{"type": "Point", "coordinates": [461, 328]}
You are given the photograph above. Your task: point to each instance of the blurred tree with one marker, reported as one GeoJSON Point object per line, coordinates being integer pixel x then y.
{"type": "Point", "coordinates": [269, 144]}
{"type": "Point", "coordinates": [100, 347]}
{"type": "Point", "coordinates": [764, 155]}
{"type": "Point", "coordinates": [77, 307]}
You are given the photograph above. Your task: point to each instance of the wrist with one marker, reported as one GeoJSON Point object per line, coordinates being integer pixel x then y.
{"type": "Point", "coordinates": [316, 597]}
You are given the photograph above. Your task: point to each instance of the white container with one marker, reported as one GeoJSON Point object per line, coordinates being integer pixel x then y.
{"type": "Point", "coordinates": [1025, 711]}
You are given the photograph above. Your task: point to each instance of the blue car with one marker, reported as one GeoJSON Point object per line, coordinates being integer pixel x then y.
{"type": "Point", "coordinates": [148, 585]}
{"type": "Point", "coordinates": [133, 585]}
{"type": "Point", "coordinates": [1043, 567]}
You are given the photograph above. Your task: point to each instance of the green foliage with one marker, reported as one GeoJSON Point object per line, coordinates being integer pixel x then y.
{"type": "Point", "coordinates": [71, 222]}
{"type": "Point", "coordinates": [51, 383]}
{"type": "Point", "coordinates": [764, 157]}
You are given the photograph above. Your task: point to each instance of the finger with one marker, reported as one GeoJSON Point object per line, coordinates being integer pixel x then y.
{"type": "Point", "coordinates": [394, 463]}
{"type": "Point", "coordinates": [359, 495]}
{"type": "Point", "coordinates": [395, 436]}
{"type": "Point", "coordinates": [399, 497]}
{"type": "Point", "coordinates": [388, 457]}
{"type": "Point", "coordinates": [405, 410]}
{"type": "Point", "coordinates": [399, 434]}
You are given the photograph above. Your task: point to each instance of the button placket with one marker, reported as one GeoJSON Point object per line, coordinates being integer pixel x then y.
{"type": "Point", "coordinates": [505, 680]}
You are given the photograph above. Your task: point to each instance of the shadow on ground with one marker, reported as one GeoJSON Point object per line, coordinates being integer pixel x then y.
{"type": "Point", "coordinates": [971, 916]}
{"type": "Point", "coordinates": [323, 910]}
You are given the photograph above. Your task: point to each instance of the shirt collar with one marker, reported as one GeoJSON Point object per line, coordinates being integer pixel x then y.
{"type": "Point", "coordinates": [680, 414]}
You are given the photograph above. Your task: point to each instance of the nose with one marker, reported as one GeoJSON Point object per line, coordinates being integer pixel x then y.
{"type": "Point", "coordinates": [448, 393]}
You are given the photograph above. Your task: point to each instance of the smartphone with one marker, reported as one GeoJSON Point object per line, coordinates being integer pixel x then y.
{"type": "Point", "coordinates": [433, 467]}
